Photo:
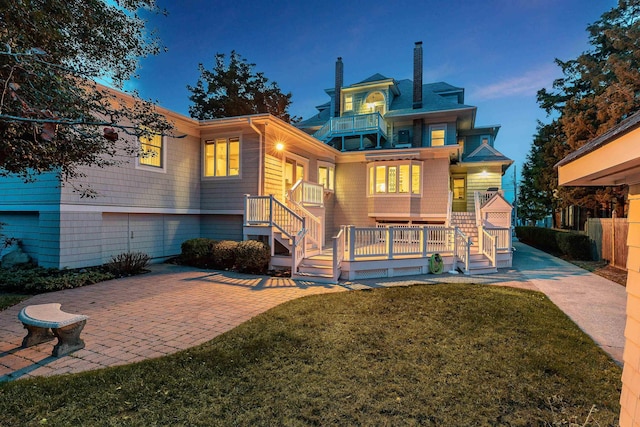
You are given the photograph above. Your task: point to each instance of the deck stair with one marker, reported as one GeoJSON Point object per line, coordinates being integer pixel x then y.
{"type": "Point", "coordinates": [318, 268]}
{"type": "Point", "coordinates": [478, 263]}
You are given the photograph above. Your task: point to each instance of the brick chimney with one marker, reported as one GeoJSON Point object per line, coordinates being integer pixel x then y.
{"type": "Point", "coordinates": [417, 76]}
{"type": "Point", "coordinates": [339, 81]}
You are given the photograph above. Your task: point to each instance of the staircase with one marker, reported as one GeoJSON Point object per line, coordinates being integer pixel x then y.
{"type": "Point", "coordinates": [478, 262]}
{"type": "Point", "coordinates": [318, 268]}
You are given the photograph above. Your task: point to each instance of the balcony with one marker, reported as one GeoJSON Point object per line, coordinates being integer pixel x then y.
{"type": "Point", "coordinates": [353, 126]}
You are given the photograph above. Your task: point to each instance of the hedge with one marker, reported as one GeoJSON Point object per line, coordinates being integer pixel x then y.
{"type": "Point", "coordinates": [572, 245]}
{"type": "Point", "coordinates": [249, 256]}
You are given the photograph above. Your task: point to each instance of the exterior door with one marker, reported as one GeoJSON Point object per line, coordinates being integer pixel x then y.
{"type": "Point", "coordinates": [459, 189]}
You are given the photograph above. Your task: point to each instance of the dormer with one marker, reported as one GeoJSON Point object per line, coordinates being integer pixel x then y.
{"type": "Point", "coordinates": [371, 95]}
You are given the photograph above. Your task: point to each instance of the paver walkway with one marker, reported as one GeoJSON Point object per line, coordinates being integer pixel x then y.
{"type": "Point", "coordinates": [141, 317]}
{"type": "Point", "coordinates": [177, 307]}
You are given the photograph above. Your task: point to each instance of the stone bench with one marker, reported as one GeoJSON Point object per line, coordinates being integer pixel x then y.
{"type": "Point", "coordinates": [45, 322]}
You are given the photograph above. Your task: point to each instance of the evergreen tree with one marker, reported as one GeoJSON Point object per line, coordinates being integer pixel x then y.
{"type": "Point", "coordinates": [598, 89]}
{"type": "Point", "coordinates": [53, 116]}
{"type": "Point", "coordinates": [234, 89]}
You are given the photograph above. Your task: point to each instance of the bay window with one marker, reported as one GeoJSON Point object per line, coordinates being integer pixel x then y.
{"type": "Point", "coordinates": [395, 178]}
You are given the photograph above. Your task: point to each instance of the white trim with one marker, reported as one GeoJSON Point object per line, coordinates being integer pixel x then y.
{"type": "Point", "coordinates": [203, 163]}
{"type": "Point", "coordinates": [163, 155]}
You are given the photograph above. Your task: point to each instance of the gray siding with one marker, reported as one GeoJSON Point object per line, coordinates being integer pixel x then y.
{"type": "Point", "coordinates": [227, 193]}
{"type": "Point", "coordinates": [15, 192]}
{"type": "Point", "coordinates": [222, 227]}
{"type": "Point", "coordinates": [351, 196]}
{"type": "Point", "coordinates": [176, 187]}
{"type": "Point", "coordinates": [24, 226]}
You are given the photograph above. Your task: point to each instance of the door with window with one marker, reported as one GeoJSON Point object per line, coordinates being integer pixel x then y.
{"type": "Point", "coordinates": [294, 170]}
{"type": "Point", "coordinates": [459, 189]}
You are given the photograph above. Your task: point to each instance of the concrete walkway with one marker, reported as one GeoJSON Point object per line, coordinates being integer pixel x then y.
{"type": "Point", "coordinates": [175, 307]}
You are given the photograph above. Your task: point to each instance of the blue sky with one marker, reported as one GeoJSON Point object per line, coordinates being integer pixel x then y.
{"type": "Point", "coordinates": [501, 51]}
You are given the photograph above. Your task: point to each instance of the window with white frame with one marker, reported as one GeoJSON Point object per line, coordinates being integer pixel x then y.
{"type": "Point", "coordinates": [438, 135]}
{"type": "Point", "coordinates": [151, 150]}
{"type": "Point", "coordinates": [222, 157]}
{"type": "Point", "coordinates": [395, 178]}
{"type": "Point", "coordinates": [326, 175]}
{"type": "Point", "coordinates": [348, 103]}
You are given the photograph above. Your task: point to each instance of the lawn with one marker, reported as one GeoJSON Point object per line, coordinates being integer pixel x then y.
{"type": "Point", "coordinates": [420, 355]}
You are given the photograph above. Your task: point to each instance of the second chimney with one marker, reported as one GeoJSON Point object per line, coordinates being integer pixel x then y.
{"type": "Point", "coordinates": [417, 76]}
{"type": "Point", "coordinates": [338, 87]}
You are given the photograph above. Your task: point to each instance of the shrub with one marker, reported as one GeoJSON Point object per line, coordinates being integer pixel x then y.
{"type": "Point", "coordinates": [224, 254]}
{"type": "Point", "coordinates": [128, 263]}
{"type": "Point", "coordinates": [253, 257]}
{"type": "Point", "coordinates": [198, 252]}
{"type": "Point", "coordinates": [575, 246]}
{"type": "Point", "coordinates": [32, 279]}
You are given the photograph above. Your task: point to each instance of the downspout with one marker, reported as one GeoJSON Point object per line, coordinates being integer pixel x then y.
{"type": "Point", "coordinates": [261, 162]}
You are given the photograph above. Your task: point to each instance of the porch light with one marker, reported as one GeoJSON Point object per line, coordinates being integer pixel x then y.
{"type": "Point", "coordinates": [279, 146]}
{"type": "Point", "coordinates": [484, 173]}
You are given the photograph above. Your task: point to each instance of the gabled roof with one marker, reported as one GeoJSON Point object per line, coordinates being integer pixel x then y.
{"type": "Point", "coordinates": [374, 78]}
{"type": "Point", "coordinates": [486, 153]}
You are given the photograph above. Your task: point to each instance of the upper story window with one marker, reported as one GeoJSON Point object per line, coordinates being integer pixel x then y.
{"type": "Point", "coordinates": [222, 157]}
{"type": "Point", "coordinates": [375, 103]}
{"type": "Point", "coordinates": [485, 139]}
{"type": "Point", "coordinates": [348, 103]}
{"type": "Point", "coordinates": [326, 176]}
{"type": "Point", "coordinates": [438, 135]}
{"type": "Point", "coordinates": [151, 151]}
{"type": "Point", "coordinates": [396, 178]}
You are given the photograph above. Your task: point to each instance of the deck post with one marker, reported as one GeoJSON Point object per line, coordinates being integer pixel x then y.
{"type": "Point", "coordinates": [424, 240]}
{"type": "Point", "coordinates": [390, 242]}
{"type": "Point", "coordinates": [352, 242]}
{"type": "Point", "coordinates": [270, 210]}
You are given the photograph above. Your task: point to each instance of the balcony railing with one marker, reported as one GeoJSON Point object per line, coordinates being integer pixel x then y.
{"type": "Point", "coordinates": [352, 125]}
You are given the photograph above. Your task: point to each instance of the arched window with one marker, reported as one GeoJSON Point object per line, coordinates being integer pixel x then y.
{"type": "Point", "coordinates": [375, 102]}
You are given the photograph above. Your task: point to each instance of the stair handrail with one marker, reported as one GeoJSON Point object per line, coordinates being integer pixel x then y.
{"type": "Point", "coordinates": [338, 253]}
{"type": "Point", "coordinates": [313, 223]}
{"type": "Point", "coordinates": [477, 205]}
{"type": "Point", "coordinates": [462, 248]}
{"type": "Point", "coordinates": [298, 251]}
{"type": "Point", "coordinates": [489, 246]}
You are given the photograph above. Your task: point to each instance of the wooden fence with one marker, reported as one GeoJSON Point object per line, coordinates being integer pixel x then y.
{"type": "Point", "coordinates": [609, 239]}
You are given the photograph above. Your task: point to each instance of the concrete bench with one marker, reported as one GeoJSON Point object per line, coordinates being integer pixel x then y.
{"type": "Point", "coordinates": [45, 322]}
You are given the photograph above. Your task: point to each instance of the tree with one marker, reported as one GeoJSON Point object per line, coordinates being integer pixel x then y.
{"type": "Point", "coordinates": [53, 116]}
{"type": "Point", "coordinates": [537, 197]}
{"type": "Point", "coordinates": [234, 89]}
{"type": "Point", "coordinates": [598, 89]}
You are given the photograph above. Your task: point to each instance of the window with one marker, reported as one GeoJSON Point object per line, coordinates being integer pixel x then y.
{"type": "Point", "coordinates": [458, 189]}
{"type": "Point", "coordinates": [485, 140]}
{"type": "Point", "coordinates": [151, 150]}
{"type": "Point", "coordinates": [438, 135]}
{"type": "Point", "coordinates": [294, 170]}
{"type": "Point", "coordinates": [401, 178]}
{"type": "Point", "coordinates": [326, 176]}
{"type": "Point", "coordinates": [348, 103]}
{"type": "Point", "coordinates": [222, 157]}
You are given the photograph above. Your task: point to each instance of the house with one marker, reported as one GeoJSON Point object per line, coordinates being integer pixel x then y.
{"type": "Point", "coordinates": [614, 159]}
{"type": "Point", "coordinates": [387, 174]}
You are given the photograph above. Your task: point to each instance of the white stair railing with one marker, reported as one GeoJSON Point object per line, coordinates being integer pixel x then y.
{"type": "Point", "coordinates": [338, 253]}
{"type": "Point", "coordinates": [489, 247]}
{"type": "Point", "coordinates": [462, 248]}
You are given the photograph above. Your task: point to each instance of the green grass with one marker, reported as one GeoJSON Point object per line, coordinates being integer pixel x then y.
{"type": "Point", "coordinates": [423, 355]}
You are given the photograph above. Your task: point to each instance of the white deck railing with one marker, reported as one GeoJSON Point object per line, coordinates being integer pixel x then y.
{"type": "Point", "coordinates": [269, 211]}
{"type": "Point", "coordinates": [503, 238]}
{"type": "Point", "coordinates": [489, 247]}
{"type": "Point", "coordinates": [462, 248]}
{"type": "Point", "coordinates": [349, 125]}
{"type": "Point", "coordinates": [396, 241]}
{"type": "Point", "coordinates": [307, 193]}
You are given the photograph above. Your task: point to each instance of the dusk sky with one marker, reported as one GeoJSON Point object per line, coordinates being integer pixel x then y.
{"type": "Point", "coordinates": [501, 51]}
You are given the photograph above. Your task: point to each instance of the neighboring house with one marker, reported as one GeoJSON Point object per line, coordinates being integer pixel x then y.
{"type": "Point", "coordinates": [614, 159]}
{"type": "Point", "coordinates": [386, 175]}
